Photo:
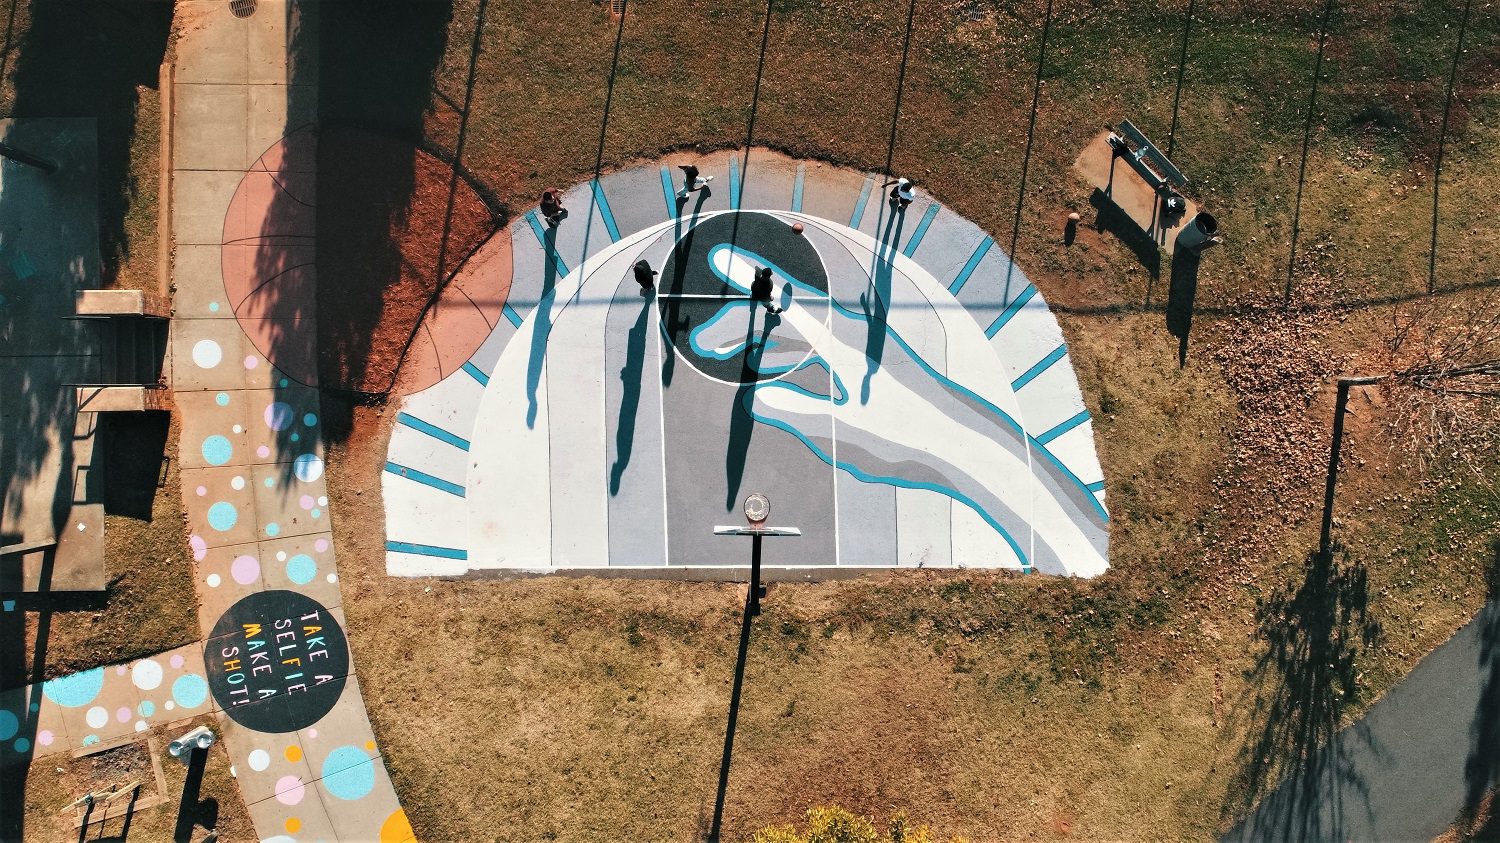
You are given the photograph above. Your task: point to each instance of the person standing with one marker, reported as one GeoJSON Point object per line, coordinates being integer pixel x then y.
{"type": "Point", "coordinates": [552, 206]}
{"type": "Point", "coordinates": [760, 290]}
{"type": "Point", "coordinates": [645, 275]}
{"type": "Point", "coordinates": [691, 181]}
{"type": "Point", "coordinates": [902, 194]}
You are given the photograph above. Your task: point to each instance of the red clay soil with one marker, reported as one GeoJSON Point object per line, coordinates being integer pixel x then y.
{"type": "Point", "coordinates": [389, 221]}
{"type": "Point", "coordinates": [385, 239]}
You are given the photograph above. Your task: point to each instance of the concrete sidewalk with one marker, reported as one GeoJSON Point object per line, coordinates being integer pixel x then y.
{"type": "Point", "coordinates": [276, 661]}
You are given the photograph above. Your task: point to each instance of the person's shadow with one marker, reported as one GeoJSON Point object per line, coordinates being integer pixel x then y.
{"type": "Point", "coordinates": [630, 396]}
{"type": "Point", "coordinates": [741, 423]}
{"type": "Point", "coordinates": [875, 303]}
{"type": "Point", "coordinates": [682, 250]}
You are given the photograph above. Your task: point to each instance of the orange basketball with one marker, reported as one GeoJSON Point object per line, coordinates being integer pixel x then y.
{"type": "Point", "coordinates": [796, 228]}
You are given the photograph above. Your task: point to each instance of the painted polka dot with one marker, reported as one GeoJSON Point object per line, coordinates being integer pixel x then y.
{"type": "Point", "coordinates": [263, 452]}
{"type": "Point", "coordinates": [245, 569]}
{"type": "Point", "coordinates": [281, 556]}
{"type": "Point", "coordinates": [222, 399]}
{"type": "Point", "coordinates": [207, 354]}
{"type": "Point", "coordinates": [199, 546]}
{"type": "Point", "coordinates": [217, 450]}
{"type": "Point", "coordinates": [397, 828]}
{"type": "Point", "coordinates": [190, 690]}
{"type": "Point", "coordinates": [310, 420]}
{"type": "Point", "coordinates": [201, 490]}
{"type": "Point", "coordinates": [301, 569]}
{"type": "Point", "coordinates": [44, 737]}
{"type": "Point", "coordinates": [293, 753]}
{"type": "Point", "coordinates": [222, 516]}
{"type": "Point", "coordinates": [9, 725]}
{"type": "Point", "coordinates": [308, 467]}
{"type": "Point", "coordinates": [348, 773]}
{"type": "Point", "coordinates": [270, 481]}
{"type": "Point", "coordinates": [178, 660]}
{"type": "Point", "coordinates": [75, 690]}
{"type": "Point", "coordinates": [238, 429]}
{"type": "Point", "coordinates": [320, 545]}
{"type": "Point", "coordinates": [213, 307]}
{"type": "Point", "coordinates": [123, 714]}
{"type": "Point", "coordinates": [283, 383]}
{"type": "Point", "coordinates": [146, 674]}
{"type": "Point", "coordinates": [168, 705]}
{"type": "Point", "coordinates": [22, 745]}
{"type": "Point", "coordinates": [121, 670]}
{"type": "Point", "coordinates": [96, 717]}
{"type": "Point", "coordinates": [237, 483]}
{"type": "Point", "coordinates": [146, 708]}
{"type": "Point", "coordinates": [295, 437]}
{"type": "Point", "coordinates": [289, 791]}
{"type": "Point", "coordinates": [213, 580]}
{"type": "Point", "coordinates": [278, 415]}
{"type": "Point", "coordinates": [140, 726]}
{"type": "Point", "coordinates": [316, 513]}
{"type": "Point", "coordinates": [333, 578]}
{"type": "Point", "coordinates": [90, 740]}
{"type": "Point", "coordinates": [273, 529]}
{"type": "Point", "coordinates": [259, 759]}
{"type": "Point", "coordinates": [306, 502]}
{"type": "Point", "coordinates": [312, 732]}
{"type": "Point", "coordinates": [251, 362]}
{"type": "Point", "coordinates": [293, 825]}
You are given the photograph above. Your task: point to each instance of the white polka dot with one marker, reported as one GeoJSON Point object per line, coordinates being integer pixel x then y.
{"type": "Point", "coordinates": [213, 580]}
{"type": "Point", "coordinates": [140, 726]}
{"type": "Point", "coordinates": [281, 556]}
{"type": "Point", "coordinates": [146, 675]}
{"type": "Point", "coordinates": [96, 717]}
{"type": "Point", "coordinates": [333, 577]}
{"type": "Point", "coordinates": [237, 483]}
{"type": "Point", "coordinates": [169, 705]}
{"type": "Point", "coordinates": [238, 429]}
{"type": "Point", "coordinates": [322, 500]}
{"type": "Point", "coordinates": [259, 760]}
{"type": "Point", "coordinates": [207, 354]}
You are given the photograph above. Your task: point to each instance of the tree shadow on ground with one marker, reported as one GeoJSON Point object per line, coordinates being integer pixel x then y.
{"type": "Point", "coordinates": [1299, 690]}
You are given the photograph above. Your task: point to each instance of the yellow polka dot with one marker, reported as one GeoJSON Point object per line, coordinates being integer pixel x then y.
{"type": "Point", "coordinates": [369, 746]}
{"type": "Point", "coordinates": [293, 825]}
{"type": "Point", "coordinates": [397, 828]}
{"type": "Point", "coordinates": [294, 753]}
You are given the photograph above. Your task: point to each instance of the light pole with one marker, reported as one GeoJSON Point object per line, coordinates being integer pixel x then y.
{"type": "Point", "coordinates": [757, 510]}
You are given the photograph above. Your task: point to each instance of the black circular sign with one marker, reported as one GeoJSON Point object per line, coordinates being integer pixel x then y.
{"type": "Point", "coordinates": [277, 661]}
{"type": "Point", "coordinates": [690, 293]}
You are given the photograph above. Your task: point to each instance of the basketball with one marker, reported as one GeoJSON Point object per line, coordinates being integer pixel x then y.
{"type": "Point", "coordinates": [796, 228]}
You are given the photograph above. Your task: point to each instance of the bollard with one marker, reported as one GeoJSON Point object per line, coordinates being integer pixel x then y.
{"type": "Point", "coordinates": [199, 738]}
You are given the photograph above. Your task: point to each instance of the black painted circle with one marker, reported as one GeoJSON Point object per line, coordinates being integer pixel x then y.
{"type": "Point", "coordinates": [277, 661]}
{"type": "Point", "coordinates": [688, 273]}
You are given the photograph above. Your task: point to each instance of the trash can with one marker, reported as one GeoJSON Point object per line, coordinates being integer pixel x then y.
{"type": "Point", "coordinates": [1200, 233]}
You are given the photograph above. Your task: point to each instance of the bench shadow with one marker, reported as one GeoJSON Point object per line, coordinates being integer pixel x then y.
{"type": "Point", "coordinates": [1111, 218]}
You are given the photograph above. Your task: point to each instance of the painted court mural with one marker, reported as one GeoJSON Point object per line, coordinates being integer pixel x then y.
{"type": "Point", "coordinates": [905, 397]}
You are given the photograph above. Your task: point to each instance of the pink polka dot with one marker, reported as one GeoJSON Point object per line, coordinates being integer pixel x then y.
{"type": "Point", "coordinates": [245, 569]}
{"type": "Point", "coordinates": [306, 502]}
{"type": "Point", "coordinates": [289, 790]}
{"type": "Point", "coordinates": [123, 715]}
{"type": "Point", "coordinates": [199, 546]}
{"type": "Point", "coordinates": [312, 733]}
{"type": "Point", "coordinates": [201, 490]}
{"type": "Point", "coordinates": [120, 671]}
{"type": "Point", "coordinates": [251, 362]}
{"type": "Point", "coordinates": [320, 545]}
{"type": "Point", "coordinates": [44, 737]}
{"type": "Point", "coordinates": [263, 452]}
{"type": "Point", "coordinates": [177, 660]}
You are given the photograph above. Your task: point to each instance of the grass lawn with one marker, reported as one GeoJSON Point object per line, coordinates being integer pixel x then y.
{"type": "Point", "coordinates": [1144, 704]}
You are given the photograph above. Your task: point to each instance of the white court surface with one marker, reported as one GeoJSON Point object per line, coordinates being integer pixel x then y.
{"type": "Point", "coordinates": [912, 403]}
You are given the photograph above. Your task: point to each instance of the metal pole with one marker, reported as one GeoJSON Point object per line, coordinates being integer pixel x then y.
{"type": "Point", "coordinates": [1340, 405]}
{"type": "Point", "coordinates": [752, 608]}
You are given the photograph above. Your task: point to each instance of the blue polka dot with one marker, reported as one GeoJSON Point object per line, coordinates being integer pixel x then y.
{"type": "Point", "coordinates": [317, 513]}
{"type": "Point", "coordinates": [273, 529]}
{"type": "Point", "coordinates": [301, 569]}
{"type": "Point", "coordinates": [213, 307]}
{"type": "Point", "coordinates": [22, 744]}
{"type": "Point", "coordinates": [190, 690]}
{"type": "Point", "coordinates": [270, 481]}
{"type": "Point", "coordinates": [348, 773]}
{"type": "Point", "coordinates": [217, 450]}
{"type": "Point", "coordinates": [283, 383]}
{"type": "Point", "coordinates": [222, 399]}
{"type": "Point", "coordinates": [222, 516]}
{"type": "Point", "coordinates": [146, 708]}
{"type": "Point", "coordinates": [78, 689]}
{"type": "Point", "coordinates": [9, 725]}
{"type": "Point", "coordinates": [311, 419]}
{"type": "Point", "coordinates": [90, 740]}
{"type": "Point", "coordinates": [296, 436]}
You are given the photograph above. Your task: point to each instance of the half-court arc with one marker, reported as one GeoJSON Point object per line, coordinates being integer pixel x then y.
{"type": "Point", "coordinates": [904, 396]}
